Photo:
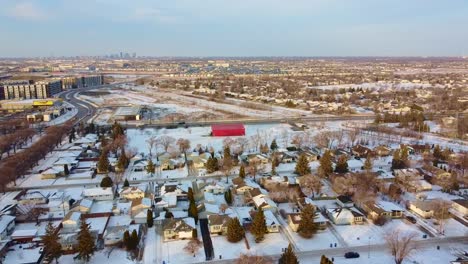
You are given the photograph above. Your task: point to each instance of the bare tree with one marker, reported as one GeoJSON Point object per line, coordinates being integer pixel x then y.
{"type": "Point", "coordinates": [353, 134]}
{"type": "Point", "coordinates": [441, 213]}
{"type": "Point", "coordinates": [311, 184]}
{"type": "Point", "coordinates": [401, 244]}
{"type": "Point", "coordinates": [166, 142]}
{"type": "Point", "coordinates": [184, 146]}
{"type": "Point", "coordinates": [152, 141]}
{"type": "Point", "coordinates": [285, 137]}
{"type": "Point", "coordinates": [193, 246]}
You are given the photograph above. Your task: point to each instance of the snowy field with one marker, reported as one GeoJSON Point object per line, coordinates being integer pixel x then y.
{"type": "Point", "coordinates": [200, 135]}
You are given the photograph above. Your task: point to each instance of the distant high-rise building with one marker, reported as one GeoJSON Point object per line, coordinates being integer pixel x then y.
{"type": "Point", "coordinates": [134, 55]}
{"type": "Point", "coordinates": [121, 54]}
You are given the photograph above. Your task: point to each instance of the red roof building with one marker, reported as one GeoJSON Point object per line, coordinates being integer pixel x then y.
{"type": "Point", "coordinates": [227, 130]}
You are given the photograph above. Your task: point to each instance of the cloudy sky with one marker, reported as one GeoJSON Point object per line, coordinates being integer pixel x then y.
{"type": "Point", "coordinates": [234, 27]}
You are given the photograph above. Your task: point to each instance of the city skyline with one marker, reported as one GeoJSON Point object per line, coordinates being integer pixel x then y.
{"type": "Point", "coordinates": [245, 28]}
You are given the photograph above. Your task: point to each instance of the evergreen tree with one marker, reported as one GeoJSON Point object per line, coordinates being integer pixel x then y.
{"type": "Point", "coordinates": [368, 164]}
{"type": "Point", "coordinates": [259, 228]}
{"type": "Point", "coordinates": [134, 240]}
{"type": "Point", "coordinates": [235, 232]}
{"type": "Point", "coordinates": [288, 257]}
{"type": "Point", "coordinates": [117, 130]}
{"type": "Point", "coordinates": [325, 260]}
{"type": "Point", "coordinates": [122, 162]}
{"type": "Point", "coordinates": [273, 145]}
{"type": "Point", "coordinates": [72, 135]}
{"type": "Point", "coordinates": [86, 243]}
{"type": "Point", "coordinates": [193, 211]}
{"type": "Point", "coordinates": [126, 240]}
{"type": "Point", "coordinates": [212, 165]}
{"type": "Point", "coordinates": [307, 228]}
{"type": "Point", "coordinates": [190, 195]}
{"type": "Point", "coordinates": [52, 247]}
{"type": "Point", "coordinates": [326, 166]}
{"type": "Point", "coordinates": [150, 168]}
{"type": "Point", "coordinates": [228, 196]}
{"type": "Point", "coordinates": [106, 182]}
{"type": "Point", "coordinates": [66, 171]}
{"type": "Point", "coordinates": [126, 183]}
{"type": "Point", "coordinates": [342, 164]}
{"type": "Point", "coordinates": [149, 218]}
{"type": "Point", "coordinates": [242, 171]}
{"type": "Point", "coordinates": [302, 165]}
{"type": "Point", "coordinates": [103, 163]}
{"type": "Point", "coordinates": [437, 152]}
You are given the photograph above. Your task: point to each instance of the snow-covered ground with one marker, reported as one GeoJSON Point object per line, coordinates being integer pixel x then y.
{"type": "Point", "coordinates": [107, 255]}
{"type": "Point", "coordinates": [272, 244]}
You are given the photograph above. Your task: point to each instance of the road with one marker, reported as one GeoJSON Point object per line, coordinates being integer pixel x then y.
{"type": "Point", "coordinates": [86, 111]}
{"type": "Point", "coordinates": [376, 248]}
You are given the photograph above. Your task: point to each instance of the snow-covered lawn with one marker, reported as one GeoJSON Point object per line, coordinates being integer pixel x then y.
{"type": "Point", "coordinates": [116, 256]}
{"type": "Point", "coordinates": [321, 240]}
{"type": "Point", "coordinates": [272, 244]}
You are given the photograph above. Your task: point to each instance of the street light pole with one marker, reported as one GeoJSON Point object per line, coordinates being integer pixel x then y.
{"type": "Point", "coordinates": [368, 249]}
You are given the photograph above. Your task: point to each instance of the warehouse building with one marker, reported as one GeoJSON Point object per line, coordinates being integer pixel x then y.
{"type": "Point", "coordinates": [227, 130]}
{"type": "Point", "coordinates": [127, 113]}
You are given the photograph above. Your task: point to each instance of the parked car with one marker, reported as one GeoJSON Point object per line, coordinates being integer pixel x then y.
{"type": "Point", "coordinates": [351, 255]}
{"type": "Point", "coordinates": [410, 219]}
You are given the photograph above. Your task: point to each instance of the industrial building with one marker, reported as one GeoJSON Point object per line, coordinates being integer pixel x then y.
{"type": "Point", "coordinates": [21, 105]}
{"type": "Point", "coordinates": [226, 130]}
{"type": "Point", "coordinates": [127, 113]}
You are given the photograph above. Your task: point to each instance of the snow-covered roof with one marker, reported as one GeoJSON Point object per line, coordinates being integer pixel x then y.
{"type": "Point", "coordinates": [97, 192]}
{"type": "Point", "coordinates": [86, 203]}
{"type": "Point", "coordinates": [5, 220]}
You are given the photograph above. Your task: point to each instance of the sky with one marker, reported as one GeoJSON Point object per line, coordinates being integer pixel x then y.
{"type": "Point", "coordinates": [30, 28]}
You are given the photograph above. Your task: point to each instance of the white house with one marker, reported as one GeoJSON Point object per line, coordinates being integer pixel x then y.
{"type": "Point", "coordinates": [99, 194]}
{"type": "Point", "coordinates": [345, 216]}
{"type": "Point", "coordinates": [71, 221]}
{"type": "Point", "coordinates": [133, 192]}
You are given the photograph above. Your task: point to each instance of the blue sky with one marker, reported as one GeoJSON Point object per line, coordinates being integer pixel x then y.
{"type": "Point", "coordinates": [234, 27]}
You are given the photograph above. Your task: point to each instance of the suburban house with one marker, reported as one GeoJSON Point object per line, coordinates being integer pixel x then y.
{"type": "Point", "coordinates": [99, 194]}
{"type": "Point", "coordinates": [52, 172]}
{"type": "Point", "coordinates": [218, 224]}
{"type": "Point", "coordinates": [345, 216]}
{"type": "Point", "coordinates": [242, 188]}
{"type": "Point", "coordinates": [461, 206]}
{"type": "Point", "coordinates": [361, 151]}
{"type": "Point", "coordinates": [85, 205]}
{"type": "Point", "coordinates": [71, 221]}
{"type": "Point", "coordinates": [114, 234]}
{"type": "Point", "coordinates": [382, 209]}
{"type": "Point", "coordinates": [344, 201]}
{"type": "Point", "coordinates": [140, 205]}
{"type": "Point", "coordinates": [265, 203]}
{"type": "Point", "coordinates": [133, 192]}
{"type": "Point", "coordinates": [423, 208]}
{"type": "Point", "coordinates": [295, 218]}
{"type": "Point", "coordinates": [215, 188]}
{"type": "Point", "coordinates": [382, 150]}
{"type": "Point", "coordinates": [175, 229]}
